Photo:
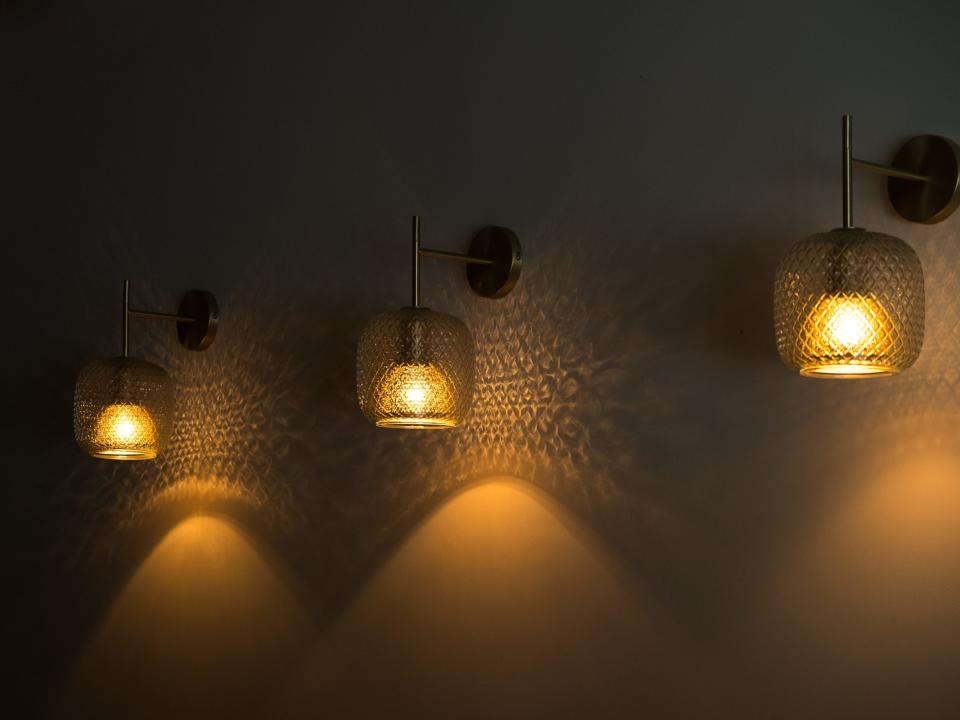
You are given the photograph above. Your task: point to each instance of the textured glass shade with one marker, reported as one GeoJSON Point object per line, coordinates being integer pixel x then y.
{"type": "Point", "coordinates": [415, 369]}
{"type": "Point", "coordinates": [849, 303]}
{"type": "Point", "coordinates": [122, 409]}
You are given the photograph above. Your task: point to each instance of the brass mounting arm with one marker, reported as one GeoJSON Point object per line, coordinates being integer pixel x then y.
{"type": "Point", "coordinates": [493, 263]}
{"type": "Point", "coordinates": [924, 178]}
{"type": "Point", "coordinates": [197, 319]}
{"type": "Point", "coordinates": [889, 171]}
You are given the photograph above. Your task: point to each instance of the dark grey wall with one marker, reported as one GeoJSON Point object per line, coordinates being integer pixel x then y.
{"type": "Point", "coordinates": [646, 513]}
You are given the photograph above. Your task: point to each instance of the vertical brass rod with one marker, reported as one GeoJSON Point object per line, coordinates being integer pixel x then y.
{"type": "Point", "coordinates": [847, 176]}
{"type": "Point", "coordinates": [126, 318]}
{"type": "Point", "coordinates": [416, 261]}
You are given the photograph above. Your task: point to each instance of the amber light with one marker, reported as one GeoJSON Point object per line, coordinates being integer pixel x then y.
{"type": "Point", "coordinates": [415, 396]}
{"type": "Point", "coordinates": [126, 431]}
{"type": "Point", "coordinates": [849, 304]}
{"type": "Point", "coordinates": [415, 369]}
{"type": "Point", "coordinates": [122, 409]}
{"type": "Point", "coordinates": [845, 334]}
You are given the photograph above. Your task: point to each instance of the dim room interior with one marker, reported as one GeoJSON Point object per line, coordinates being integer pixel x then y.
{"type": "Point", "coordinates": [481, 359]}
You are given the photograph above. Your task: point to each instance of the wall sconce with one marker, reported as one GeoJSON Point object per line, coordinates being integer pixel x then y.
{"type": "Point", "coordinates": [848, 303]}
{"type": "Point", "coordinates": [415, 366]}
{"type": "Point", "coordinates": [123, 407]}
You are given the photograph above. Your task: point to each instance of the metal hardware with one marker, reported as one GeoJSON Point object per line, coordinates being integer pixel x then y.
{"type": "Point", "coordinates": [126, 318]}
{"type": "Point", "coordinates": [197, 319]}
{"type": "Point", "coordinates": [493, 262]}
{"type": "Point", "coordinates": [847, 179]}
{"type": "Point", "coordinates": [446, 255]}
{"type": "Point", "coordinates": [923, 181]}
{"type": "Point", "coordinates": [938, 158]}
{"type": "Point", "coordinates": [502, 247]}
{"type": "Point", "coordinates": [416, 261]}
{"type": "Point", "coordinates": [161, 316]}
{"type": "Point", "coordinates": [889, 171]}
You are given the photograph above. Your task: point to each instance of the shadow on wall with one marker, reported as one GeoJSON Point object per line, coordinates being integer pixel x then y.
{"type": "Point", "coordinates": [575, 394]}
{"type": "Point", "coordinates": [244, 438]}
{"type": "Point", "coordinates": [235, 421]}
{"type": "Point", "coordinates": [241, 450]}
{"type": "Point", "coordinates": [551, 368]}
{"type": "Point", "coordinates": [268, 432]}
{"type": "Point", "coordinates": [269, 435]}
{"type": "Point", "coordinates": [498, 605]}
{"type": "Point", "coordinates": [274, 397]}
{"type": "Point", "coordinates": [864, 600]}
{"type": "Point", "coordinates": [204, 628]}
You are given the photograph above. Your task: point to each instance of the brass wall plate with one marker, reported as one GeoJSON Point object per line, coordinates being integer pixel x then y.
{"type": "Point", "coordinates": [202, 306]}
{"type": "Point", "coordinates": [934, 200]}
{"type": "Point", "coordinates": [502, 246]}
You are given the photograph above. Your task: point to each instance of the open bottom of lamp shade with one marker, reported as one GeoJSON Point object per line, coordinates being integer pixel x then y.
{"type": "Point", "coordinates": [847, 370]}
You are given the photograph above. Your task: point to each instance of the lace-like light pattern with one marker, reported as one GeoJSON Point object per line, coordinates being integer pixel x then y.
{"type": "Point", "coordinates": [849, 303]}
{"type": "Point", "coordinates": [415, 369]}
{"type": "Point", "coordinates": [122, 409]}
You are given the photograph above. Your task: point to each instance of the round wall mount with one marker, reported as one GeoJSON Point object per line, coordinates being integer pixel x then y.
{"type": "Point", "coordinates": [200, 333]}
{"type": "Point", "coordinates": [934, 200]}
{"type": "Point", "coordinates": [502, 246]}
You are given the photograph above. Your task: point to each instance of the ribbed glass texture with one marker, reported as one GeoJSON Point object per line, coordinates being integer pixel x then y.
{"type": "Point", "coordinates": [849, 303]}
{"type": "Point", "coordinates": [122, 409]}
{"type": "Point", "coordinates": [415, 369]}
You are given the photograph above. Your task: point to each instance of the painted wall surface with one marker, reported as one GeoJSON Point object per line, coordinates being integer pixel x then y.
{"type": "Point", "coordinates": [646, 514]}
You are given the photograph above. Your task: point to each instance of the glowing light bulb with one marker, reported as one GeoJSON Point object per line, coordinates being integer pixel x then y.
{"type": "Point", "coordinates": [844, 335]}
{"type": "Point", "coordinates": [125, 430]}
{"type": "Point", "coordinates": [415, 369]}
{"type": "Point", "coordinates": [849, 303]}
{"type": "Point", "coordinates": [850, 324]}
{"type": "Point", "coordinates": [414, 395]}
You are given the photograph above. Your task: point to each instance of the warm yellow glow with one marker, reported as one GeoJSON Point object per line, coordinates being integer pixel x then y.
{"type": "Point", "coordinates": [206, 627]}
{"type": "Point", "coordinates": [498, 594]}
{"type": "Point", "coordinates": [195, 493]}
{"type": "Point", "coordinates": [849, 336]}
{"type": "Point", "coordinates": [415, 395]}
{"type": "Point", "coordinates": [878, 578]}
{"type": "Point", "coordinates": [124, 431]}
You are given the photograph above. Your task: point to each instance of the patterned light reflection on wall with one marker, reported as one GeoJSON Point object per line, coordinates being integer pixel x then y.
{"type": "Point", "coordinates": [548, 392]}
{"type": "Point", "coordinates": [235, 410]}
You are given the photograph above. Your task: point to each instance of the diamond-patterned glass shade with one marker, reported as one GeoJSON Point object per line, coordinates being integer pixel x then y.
{"type": "Point", "coordinates": [122, 409]}
{"type": "Point", "coordinates": [415, 369]}
{"type": "Point", "coordinates": [849, 303]}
